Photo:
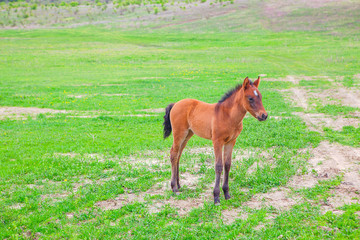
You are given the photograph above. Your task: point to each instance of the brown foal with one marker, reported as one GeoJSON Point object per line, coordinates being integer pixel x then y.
{"type": "Point", "coordinates": [220, 122]}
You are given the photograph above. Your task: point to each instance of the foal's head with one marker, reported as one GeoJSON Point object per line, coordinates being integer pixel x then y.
{"type": "Point", "coordinates": [252, 99]}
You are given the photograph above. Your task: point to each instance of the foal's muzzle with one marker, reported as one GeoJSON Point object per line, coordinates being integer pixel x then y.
{"type": "Point", "coordinates": [263, 117]}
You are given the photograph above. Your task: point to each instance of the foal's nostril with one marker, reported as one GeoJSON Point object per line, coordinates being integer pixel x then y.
{"type": "Point", "coordinates": [264, 116]}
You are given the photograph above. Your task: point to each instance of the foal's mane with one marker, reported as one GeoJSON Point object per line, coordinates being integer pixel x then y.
{"type": "Point", "coordinates": [231, 92]}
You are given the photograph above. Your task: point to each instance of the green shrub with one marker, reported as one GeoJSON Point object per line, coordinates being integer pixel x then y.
{"type": "Point", "coordinates": [74, 4]}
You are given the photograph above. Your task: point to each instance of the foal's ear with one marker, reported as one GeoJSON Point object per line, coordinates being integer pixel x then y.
{"type": "Point", "coordinates": [257, 82]}
{"type": "Point", "coordinates": [246, 83]}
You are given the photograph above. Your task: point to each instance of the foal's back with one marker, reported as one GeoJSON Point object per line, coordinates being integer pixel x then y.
{"type": "Point", "coordinates": [194, 115]}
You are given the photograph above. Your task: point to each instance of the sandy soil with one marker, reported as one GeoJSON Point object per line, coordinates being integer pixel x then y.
{"type": "Point", "coordinates": [300, 96]}
{"type": "Point", "coordinates": [328, 160]}
{"type": "Point", "coordinates": [317, 121]}
{"type": "Point", "coordinates": [183, 206]}
{"type": "Point", "coordinates": [23, 112]}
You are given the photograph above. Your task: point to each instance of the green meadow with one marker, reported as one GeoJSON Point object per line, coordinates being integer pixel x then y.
{"type": "Point", "coordinates": [93, 164]}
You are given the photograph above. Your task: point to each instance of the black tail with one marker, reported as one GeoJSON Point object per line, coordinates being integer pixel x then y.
{"type": "Point", "coordinates": [167, 123]}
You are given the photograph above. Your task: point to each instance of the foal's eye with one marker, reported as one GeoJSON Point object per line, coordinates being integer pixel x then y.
{"type": "Point", "coordinates": [251, 99]}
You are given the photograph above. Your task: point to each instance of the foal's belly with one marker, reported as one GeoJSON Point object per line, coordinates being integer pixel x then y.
{"type": "Point", "coordinates": [201, 129]}
{"type": "Point", "coordinates": [200, 119]}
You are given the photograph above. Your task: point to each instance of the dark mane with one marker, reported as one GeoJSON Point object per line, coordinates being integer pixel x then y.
{"type": "Point", "coordinates": [230, 92]}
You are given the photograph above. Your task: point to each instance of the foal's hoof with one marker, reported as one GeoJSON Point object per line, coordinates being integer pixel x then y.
{"type": "Point", "coordinates": [227, 196]}
{"type": "Point", "coordinates": [217, 201]}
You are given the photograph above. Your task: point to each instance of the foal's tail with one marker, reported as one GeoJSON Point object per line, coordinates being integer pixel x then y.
{"type": "Point", "coordinates": [167, 123]}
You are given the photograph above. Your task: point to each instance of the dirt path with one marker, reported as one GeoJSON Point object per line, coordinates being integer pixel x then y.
{"type": "Point", "coordinates": [300, 97]}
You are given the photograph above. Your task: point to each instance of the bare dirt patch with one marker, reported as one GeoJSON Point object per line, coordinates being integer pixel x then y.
{"type": "Point", "coordinates": [150, 161]}
{"type": "Point", "coordinates": [17, 206]}
{"type": "Point", "coordinates": [317, 121]}
{"type": "Point", "coordinates": [201, 150]}
{"type": "Point", "coordinates": [154, 110]}
{"type": "Point", "coordinates": [230, 215]}
{"type": "Point", "coordinates": [183, 206]}
{"type": "Point", "coordinates": [348, 97]}
{"type": "Point", "coordinates": [81, 183]}
{"type": "Point", "coordinates": [119, 201]}
{"type": "Point", "coordinates": [296, 79]}
{"type": "Point", "coordinates": [292, 79]}
{"type": "Point", "coordinates": [111, 84]}
{"type": "Point", "coordinates": [71, 155]}
{"type": "Point", "coordinates": [56, 197]}
{"type": "Point", "coordinates": [334, 159]}
{"type": "Point", "coordinates": [115, 94]}
{"type": "Point", "coordinates": [298, 96]}
{"type": "Point", "coordinates": [103, 94]}
{"type": "Point", "coordinates": [23, 112]}
{"type": "Point", "coordinates": [328, 161]}
{"type": "Point", "coordinates": [340, 95]}
{"type": "Point", "coordinates": [302, 181]}
{"type": "Point", "coordinates": [278, 198]}
{"type": "Point", "coordinates": [78, 96]}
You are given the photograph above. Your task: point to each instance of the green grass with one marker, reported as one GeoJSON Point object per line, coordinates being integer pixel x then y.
{"type": "Point", "coordinates": [333, 109]}
{"type": "Point", "coordinates": [102, 77]}
{"type": "Point", "coordinates": [348, 136]}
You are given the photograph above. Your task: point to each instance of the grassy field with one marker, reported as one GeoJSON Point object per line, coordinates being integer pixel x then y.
{"type": "Point", "coordinates": [81, 112]}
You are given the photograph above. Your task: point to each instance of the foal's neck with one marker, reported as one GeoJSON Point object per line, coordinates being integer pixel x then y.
{"type": "Point", "coordinates": [234, 106]}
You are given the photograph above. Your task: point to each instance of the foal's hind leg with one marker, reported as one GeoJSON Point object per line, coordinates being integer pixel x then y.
{"type": "Point", "coordinates": [180, 136]}
{"type": "Point", "coordinates": [183, 145]}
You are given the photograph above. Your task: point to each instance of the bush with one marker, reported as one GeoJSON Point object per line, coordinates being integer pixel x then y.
{"type": "Point", "coordinates": [74, 4]}
{"type": "Point", "coordinates": [33, 7]}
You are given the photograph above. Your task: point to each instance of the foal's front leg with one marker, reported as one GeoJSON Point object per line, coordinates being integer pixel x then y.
{"type": "Point", "coordinates": [218, 170]}
{"type": "Point", "coordinates": [228, 148]}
